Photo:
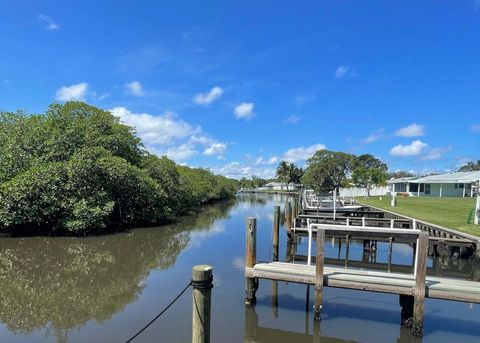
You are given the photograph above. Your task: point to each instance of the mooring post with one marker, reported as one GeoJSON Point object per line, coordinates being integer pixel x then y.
{"type": "Point", "coordinates": [318, 298]}
{"type": "Point", "coordinates": [419, 290]}
{"type": "Point", "coordinates": [202, 283]}
{"type": "Point", "coordinates": [250, 259]}
{"type": "Point", "coordinates": [390, 247]}
{"type": "Point", "coordinates": [347, 249]}
{"type": "Point", "coordinates": [276, 228]}
{"type": "Point", "coordinates": [288, 218]}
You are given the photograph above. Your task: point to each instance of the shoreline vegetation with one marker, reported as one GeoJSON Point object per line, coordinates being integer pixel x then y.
{"type": "Point", "coordinates": [77, 170]}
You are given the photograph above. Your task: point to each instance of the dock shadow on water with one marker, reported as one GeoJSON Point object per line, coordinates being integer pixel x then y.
{"type": "Point", "coordinates": [104, 288]}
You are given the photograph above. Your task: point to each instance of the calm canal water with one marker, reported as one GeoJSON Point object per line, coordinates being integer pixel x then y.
{"type": "Point", "coordinates": [104, 289]}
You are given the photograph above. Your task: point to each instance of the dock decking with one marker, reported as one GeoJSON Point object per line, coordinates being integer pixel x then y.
{"type": "Point", "coordinates": [375, 281]}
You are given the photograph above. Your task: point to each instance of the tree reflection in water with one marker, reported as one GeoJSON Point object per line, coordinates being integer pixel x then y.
{"type": "Point", "coordinates": [58, 284]}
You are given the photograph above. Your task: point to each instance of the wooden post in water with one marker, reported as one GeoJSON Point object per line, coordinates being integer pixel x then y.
{"type": "Point", "coordinates": [250, 259]}
{"type": "Point", "coordinates": [318, 299]}
{"type": "Point", "coordinates": [390, 247]}
{"type": "Point", "coordinates": [347, 249]}
{"type": "Point", "coordinates": [419, 289]}
{"type": "Point", "coordinates": [202, 282]}
{"type": "Point", "coordinates": [288, 218]}
{"type": "Point", "coordinates": [276, 228]}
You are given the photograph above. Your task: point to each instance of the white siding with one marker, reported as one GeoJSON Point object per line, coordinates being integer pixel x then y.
{"type": "Point", "coordinates": [360, 192]}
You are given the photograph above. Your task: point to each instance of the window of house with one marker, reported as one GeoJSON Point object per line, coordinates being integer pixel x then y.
{"type": "Point", "coordinates": [422, 187]}
{"type": "Point", "coordinates": [414, 187]}
{"type": "Point", "coordinates": [427, 188]}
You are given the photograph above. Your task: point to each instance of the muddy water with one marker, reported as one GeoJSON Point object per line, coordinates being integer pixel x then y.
{"type": "Point", "coordinates": [103, 289]}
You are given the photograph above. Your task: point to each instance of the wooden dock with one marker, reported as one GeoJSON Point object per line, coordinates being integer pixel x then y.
{"type": "Point", "coordinates": [411, 288]}
{"type": "Point", "coordinates": [375, 281]}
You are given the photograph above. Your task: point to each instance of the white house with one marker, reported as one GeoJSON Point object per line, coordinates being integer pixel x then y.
{"type": "Point", "coordinates": [459, 184]}
{"type": "Point", "coordinates": [280, 186]}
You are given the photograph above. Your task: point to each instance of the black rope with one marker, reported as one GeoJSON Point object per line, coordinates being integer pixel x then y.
{"type": "Point", "coordinates": [203, 284]}
{"type": "Point", "coordinates": [162, 312]}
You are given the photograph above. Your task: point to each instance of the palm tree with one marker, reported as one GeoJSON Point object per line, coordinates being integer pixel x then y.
{"type": "Point", "coordinates": [283, 172]}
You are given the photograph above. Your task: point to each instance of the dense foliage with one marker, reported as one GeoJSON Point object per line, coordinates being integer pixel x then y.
{"type": "Point", "coordinates": [328, 170]}
{"type": "Point", "coordinates": [77, 169]}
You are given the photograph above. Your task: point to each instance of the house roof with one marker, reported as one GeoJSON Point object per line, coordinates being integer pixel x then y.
{"type": "Point", "coordinates": [402, 179]}
{"type": "Point", "coordinates": [459, 177]}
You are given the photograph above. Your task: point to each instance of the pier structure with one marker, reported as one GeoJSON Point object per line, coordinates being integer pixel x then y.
{"type": "Point", "coordinates": [412, 286]}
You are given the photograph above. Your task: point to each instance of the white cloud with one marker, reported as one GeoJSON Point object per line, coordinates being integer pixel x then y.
{"type": "Point", "coordinates": [245, 110]}
{"type": "Point", "coordinates": [413, 130]}
{"type": "Point", "coordinates": [292, 119]}
{"type": "Point", "coordinates": [215, 149]}
{"type": "Point", "coordinates": [156, 130]}
{"type": "Point", "coordinates": [51, 25]}
{"type": "Point", "coordinates": [73, 92]}
{"type": "Point", "coordinates": [268, 161]}
{"type": "Point", "coordinates": [475, 127]}
{"type": "Point", "coordinates": [341, 72]}
{"type": "Point", "coordinates": [372, 138]}
{"type": "Point", "coordinates": [412, 149]}
{"type": "Point", "coordinates": [104, 96]}
{"type": "Point", "coordinates": [181, 152]}
{"type": "Point", "coordinates": [135, 88]}
{"type": "Point", "coordinates": [237, 170]}
{"type": "Point", "coordinates": [436, 153]}
{"type": "Point", "coordinates": [301, 153]}
{"type": "Point", "coordinates": [167, 134]}
{"type": "Point", "coordinates": [300, 100]}
{"type": "Point", "coordinates": [208, 98]}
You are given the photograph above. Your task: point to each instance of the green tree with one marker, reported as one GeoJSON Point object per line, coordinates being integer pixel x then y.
{"type": "Point", "coordinates": [369, 172]}
{"type": "Point", "coordinates": [399, 174]}
{"type": "Point", "coordinates": [470, 166]}
{"type": "Point", "coordinates": [283, 172]}
{"type": "Point", "coordinates": [327, 170]}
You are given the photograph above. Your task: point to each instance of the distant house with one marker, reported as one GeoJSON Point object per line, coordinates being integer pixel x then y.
{"type": "Point", "coordinates": [460, 184]}
{"type": "Point", "coordinates": [280, 186]}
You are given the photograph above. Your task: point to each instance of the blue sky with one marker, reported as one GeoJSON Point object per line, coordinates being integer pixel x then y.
{"type": "Point", "coordinates": [236, 86]}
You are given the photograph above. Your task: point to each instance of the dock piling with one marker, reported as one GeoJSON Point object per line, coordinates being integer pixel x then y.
{"type": "Point", "coordinates": [250, 259]}
{"type": "Point", "coordinates": [318, 298]}
{"type": "Point", "coordinates": [288, 218]}
{"type": "Point", "coordinates": [202, 283]}
{"type": "Point", "coordinates": [276, 227]}
{"type": "Point", "coordinates": [419, 290]}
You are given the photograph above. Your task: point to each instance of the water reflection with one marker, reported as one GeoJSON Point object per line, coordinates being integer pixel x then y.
{"type": "Point", "coordinates": [59, 284]}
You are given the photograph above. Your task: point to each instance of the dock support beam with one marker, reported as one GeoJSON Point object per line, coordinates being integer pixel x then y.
{"type": "Point", "coordinates": [419, 290]}
{"type": "Point", "coordinates": [288, 219]}
{"type": "Point", "coordinates": [202, 282]}
{"type": "Point", "coordinates": [276, 227]}
{"type": "Point", "coordinates": [251, 284]}
{"type": "Point", "coordinates": [318, 299]}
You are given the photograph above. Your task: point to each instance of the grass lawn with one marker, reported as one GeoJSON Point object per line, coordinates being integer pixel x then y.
{"type": "Point", "coordinates": [448, 212]}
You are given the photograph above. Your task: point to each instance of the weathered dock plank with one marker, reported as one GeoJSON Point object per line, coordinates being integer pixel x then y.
{"type": "Point", "coordinates": [375, 281]}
